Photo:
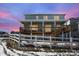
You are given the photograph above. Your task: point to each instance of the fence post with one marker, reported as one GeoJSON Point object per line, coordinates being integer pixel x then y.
{"type": "Point", "coordinates": [35, 41]}
{"type": "Point", "coordinates": [19, 39]}
{"type": "Point", "coordinates": [70, 41]}
{"type": "Point", "coordinates": [62, 36]}
{"type": "Point", "coordinates": [71, 44]}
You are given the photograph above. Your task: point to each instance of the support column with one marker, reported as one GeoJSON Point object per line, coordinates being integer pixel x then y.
{"type": "Point", "coordinates": [54, 24]}
{"type": "Point", "coordinates": [31, 32]}
{"type": "Point", "coordinates": [43, 30]}
{"type": "Point", "coordinates": [54, 27]}
{"type": "Point", "coordinates": [66, 34]}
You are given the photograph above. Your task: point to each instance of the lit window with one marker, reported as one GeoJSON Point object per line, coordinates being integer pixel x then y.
{"type": "Point", "coordinates": [47, 28]}
{"type": "Point", "coordinates": [34, 27]}
{"type": "Point", "coordinates": [56, 18]}
{"type": "Point", "coordinates": [37, 17]}
{"type": "Point", "coordinates": [46, 17]}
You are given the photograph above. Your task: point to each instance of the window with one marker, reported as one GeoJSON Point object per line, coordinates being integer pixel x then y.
{"type": "Point", "coordinates": [34, 27]}
{"type": "Point", "coordinates": [50, 17]}
{"type": "Point", "coordinates": [33, 17]}
{"type": "Point", "coordinates": [47, 28]}
{"type": "Point", "coordinates": [56, 18]}
{"type": "Point", "coordinates": [46, 17]}
{"type": "Point", "coordinates": [30, 17]}
{"type": "Point", "coordinates": [27, 17]}
{"type": "Point", "coordinates": [61, 17]}
{"type": "Point", "coordinates": [40, 17]}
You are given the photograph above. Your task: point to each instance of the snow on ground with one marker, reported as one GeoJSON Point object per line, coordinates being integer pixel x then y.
{"type": "Point", "coordinates": [4, 51]}
{"type": "Point", "coordinates": [32, 53]}
{"type": "Point", "coordinates": [8, 51]}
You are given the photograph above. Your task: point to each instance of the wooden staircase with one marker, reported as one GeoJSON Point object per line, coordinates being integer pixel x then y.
{"type": "Point", "coordinates": [61, 29]}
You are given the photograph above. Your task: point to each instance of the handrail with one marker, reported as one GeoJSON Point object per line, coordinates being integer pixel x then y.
{"type": "Point", "coordinates": [22, 35]}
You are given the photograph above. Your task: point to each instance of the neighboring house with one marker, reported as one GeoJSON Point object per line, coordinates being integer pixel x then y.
{"type": "Point", "coordinates": [4, 34]}
{"type": "Point", "coordinates": [13, 32]}
{"type": "Point", "coordinates": [74, 23]}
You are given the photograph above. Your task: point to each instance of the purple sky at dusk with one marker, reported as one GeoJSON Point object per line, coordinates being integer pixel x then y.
{"type": "Point", "coordinates": [12, 13]}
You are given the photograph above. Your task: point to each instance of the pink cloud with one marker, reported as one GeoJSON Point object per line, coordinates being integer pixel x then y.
{"type": "Point", "coordinates": [15, 29]}
{"type": "Point", "coordinates": [72, 12]}
{"type": "Point", "coordinates": [9, 27]}
{"type": "Point", "coordinates": [7, 15]}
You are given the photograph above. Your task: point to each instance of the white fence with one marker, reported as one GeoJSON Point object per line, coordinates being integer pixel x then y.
{"type": "Point", "coordinates": [42, 40]}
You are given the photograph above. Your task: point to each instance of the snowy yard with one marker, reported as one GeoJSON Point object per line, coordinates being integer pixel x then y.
{"type": "Point", "coordinates": [4, 51]}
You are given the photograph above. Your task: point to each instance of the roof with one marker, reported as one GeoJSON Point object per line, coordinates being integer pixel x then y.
{"type": "Point", "coordinates": [42, 14]}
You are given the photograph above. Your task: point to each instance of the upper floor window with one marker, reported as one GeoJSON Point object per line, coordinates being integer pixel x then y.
{"type": "Point", "coordinates": [50, 17]}
{"type": "Point", "coordinates": [56, 18]}
{"type": "Point", "coordinates": [61, 17]}
{"type": "Point", "coordinates": [40, 17]}
{"type": "Point", "coordinates": [31, 17]}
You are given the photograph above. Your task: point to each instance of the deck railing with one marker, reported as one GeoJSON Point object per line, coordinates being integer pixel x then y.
{"type": "Point", "coordinates": [42, 40]}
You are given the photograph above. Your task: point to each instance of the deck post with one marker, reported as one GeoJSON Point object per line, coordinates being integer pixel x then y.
{"type": "Point", "coordinates": [35, 41]}
{"type": "Point", "coordinates": [70, 40]}
{"type": "Point", "coordinates": [62, 36]}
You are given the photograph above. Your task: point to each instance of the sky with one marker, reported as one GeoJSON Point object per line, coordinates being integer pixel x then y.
{"type": "Point", "coordinates": [12, 13]}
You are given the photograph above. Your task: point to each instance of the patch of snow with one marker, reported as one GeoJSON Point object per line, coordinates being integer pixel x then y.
{"type": "Point", "coordinates": [23, 43]}
{"type": "Point", "coordinates": [60, 43]}
{"type": "Point", "coordinates": [9, 52]}
{"type": "Point", "coordinates": [14, 52]}
{"type": "Point", "coordinates": [42, 43]}
{"type": "Point", "coordinates": [2, 51]}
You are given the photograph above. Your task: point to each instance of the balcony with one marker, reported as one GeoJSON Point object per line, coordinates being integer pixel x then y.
{"type": "Point", "coordinates": [47, 31]}
{"type": "Point", "coordinates": [43, 20]}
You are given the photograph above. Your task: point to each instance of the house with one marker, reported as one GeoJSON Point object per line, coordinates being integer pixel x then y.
{"type": "Point", "coordinates": [4, 34]}
{"type": "Point", "coordinates": [44, 28]}
{"type": "Point", "coordinates": [48, 30]}
{"type": "Point", "coordinates": [42, 24]}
